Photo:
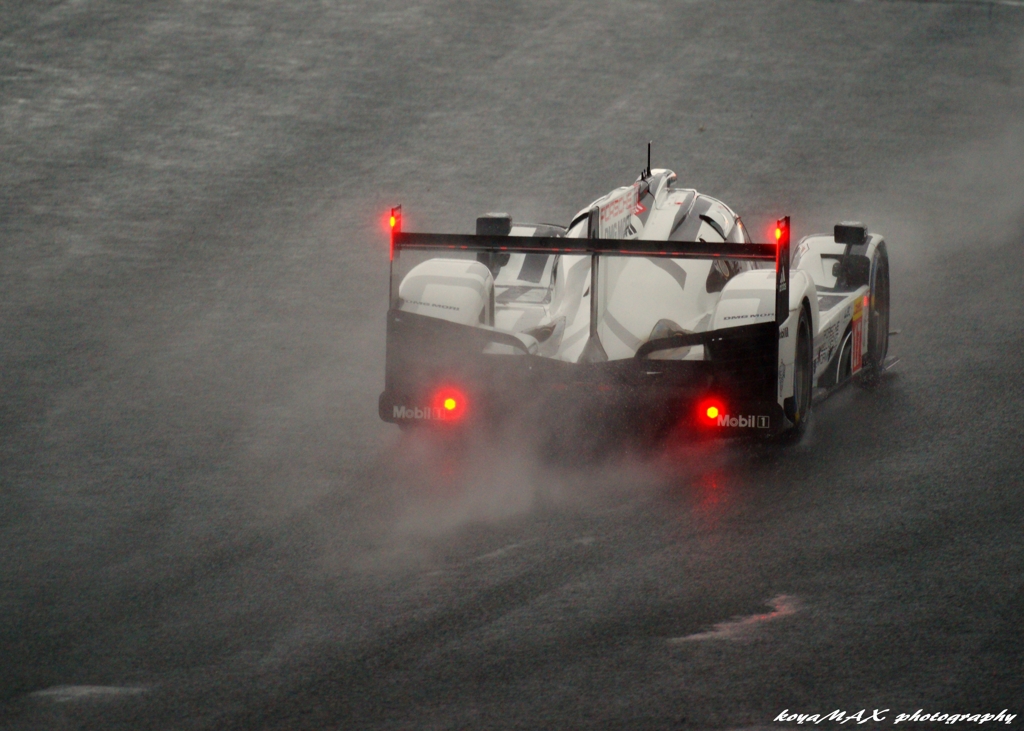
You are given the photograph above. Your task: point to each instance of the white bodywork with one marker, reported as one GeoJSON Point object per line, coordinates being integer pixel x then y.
{"type": "Point", "coordinates": [838, 316]}
{"type": "Point", "coordinates": [456, 290]}
{"type": "Point", "coordinates": [545, 299]}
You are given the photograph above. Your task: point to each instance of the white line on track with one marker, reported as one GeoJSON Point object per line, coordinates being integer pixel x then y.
{"type": "Point", "coordinates": [498, 553]}
{"type": "Point", "coordinates": [66, 693]}
{"type": "Point", "coordinates": [735, 629]}
{"type": "Point", "coordinates": [583, 541]}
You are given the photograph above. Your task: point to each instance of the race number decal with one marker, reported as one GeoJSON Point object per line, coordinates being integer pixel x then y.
{"type": "Point", "coordinates": [615, 214]}
{"type": "Point", "coordinates": [858, 336]}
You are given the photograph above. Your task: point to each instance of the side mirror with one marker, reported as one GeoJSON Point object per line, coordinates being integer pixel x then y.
{"type": "Point", "coordinates": [851, 233]}
{"type": "Point", "coordinates": [494, 224]}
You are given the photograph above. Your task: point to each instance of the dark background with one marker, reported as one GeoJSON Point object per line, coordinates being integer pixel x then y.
{"type": "Point", "coordinates": [205, 526]}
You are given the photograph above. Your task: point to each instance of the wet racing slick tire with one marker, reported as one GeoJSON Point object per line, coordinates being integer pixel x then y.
{"type": "Point", "coordinates": [798, 407]}
{"type": "Point", "coordinates": [878, 318]}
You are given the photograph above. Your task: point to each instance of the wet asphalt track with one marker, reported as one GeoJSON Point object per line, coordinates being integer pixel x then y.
{"type": "Point", "coordinates": [204, 525]}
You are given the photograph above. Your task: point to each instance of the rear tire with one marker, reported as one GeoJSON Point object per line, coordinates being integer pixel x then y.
{"type": "Point", "coordinates": [798, 407]}
{"type": "Point", "coordinates": [878, 318]}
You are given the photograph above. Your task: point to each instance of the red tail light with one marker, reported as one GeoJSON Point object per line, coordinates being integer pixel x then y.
{"type": "Point", "coordinates": [449, 403]}
{"type": "Point", "coordinates": [710, 410]}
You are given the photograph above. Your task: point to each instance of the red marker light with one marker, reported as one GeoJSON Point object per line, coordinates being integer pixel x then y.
{"type": "Point", "coordinates": [395, 227]}
{"type": "Point", "coordinates": [395, 220]}
{"type": "Point", "coordinates": [782, 231]}
{"type": "Point", "coordinates": [712, 412]}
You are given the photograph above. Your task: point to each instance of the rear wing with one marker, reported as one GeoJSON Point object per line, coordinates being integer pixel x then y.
{"type": "Point", "coordinates": [596, 247]}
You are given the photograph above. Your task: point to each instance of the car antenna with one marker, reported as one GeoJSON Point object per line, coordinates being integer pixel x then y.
{"type": "Point", "coordinates": [647, 172]}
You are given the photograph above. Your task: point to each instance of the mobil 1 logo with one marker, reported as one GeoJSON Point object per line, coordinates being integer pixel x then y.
{"type": "Point", "coordinates": [744, 422]}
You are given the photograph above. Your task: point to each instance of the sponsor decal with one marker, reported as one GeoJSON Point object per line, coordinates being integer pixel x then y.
{"type": "Point", "coordinates": [782, 376]}
{"type": "Point", "coordinates": [416, 412]}
{"type": "Point", "coordinates": [744, 317]}
{"type": "Point", "coordinates": [430, 304]}
{"type": "Point", "coordinates": [640, 208]}
{"type": "Point", "coordinates": [829, 343]}
{"type": "Point", "coordinates": [614, 221]}
{"type": "Point", "coordinates": [744, 422]}
{"type": "Point", "coordinates": [824, 356]}
{"type": "Point", "coordinates": [784, 332]}
{"type": "Point", "coordinates": [782, 280]}
{"type": "Point", "coordinates": [830, 338]}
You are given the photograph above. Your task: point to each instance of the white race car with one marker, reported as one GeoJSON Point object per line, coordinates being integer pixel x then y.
{"type": "Point", "coordinates": [652, 308]}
